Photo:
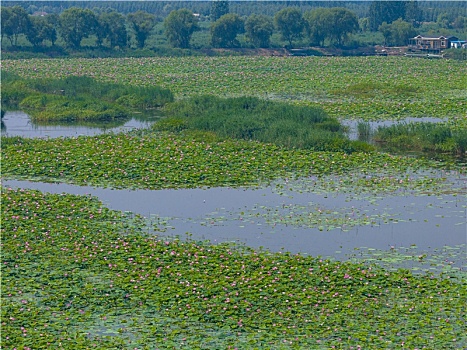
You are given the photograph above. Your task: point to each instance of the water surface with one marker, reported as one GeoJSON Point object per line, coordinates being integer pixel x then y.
{"type": "Point", "coordinates": [261, 217]}
{"type": "Point", "coordinates": [268, 218]}
{"type": "Point", "coordinates": [18, 123]}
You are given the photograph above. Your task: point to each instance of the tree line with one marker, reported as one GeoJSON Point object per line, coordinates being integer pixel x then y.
{"type": "Point", "coordinates": [396, 20]}
{"type": "Point", "coordinates": [429, 10]}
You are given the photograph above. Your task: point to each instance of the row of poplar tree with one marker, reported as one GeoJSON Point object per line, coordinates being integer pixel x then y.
{"type": "Point", "coordinates": [113, 29]}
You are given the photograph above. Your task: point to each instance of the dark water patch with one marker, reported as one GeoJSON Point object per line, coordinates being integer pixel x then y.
{"type": "Point", "coordinates": [18, 123]}
{"type": "Point", "coordinates": [311, 223]}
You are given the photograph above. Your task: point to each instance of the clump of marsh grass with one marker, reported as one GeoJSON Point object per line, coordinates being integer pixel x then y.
{"type": "Point", "coordinates": [251, 118]}
{"type": "Point", "coordinates": [364, 131]}
{"type": "Point", "coordinates": [79, 98]}
{"type": "Point", "coordinates": [426, 137]}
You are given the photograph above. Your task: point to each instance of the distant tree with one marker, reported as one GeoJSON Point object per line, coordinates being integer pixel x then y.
{"type": "Point", "coordinates": [460, 23]}
{"type": "Point", "coordinates": [413, 13]}
{"type": "Point", "coordinates": [364, 24]}
{"type": "Point", "coordinates": [259, 29]}
{"type": "Point", "coordinates": [77, 24]}
{"type": "Point", "coordinates": [385, 29]}
{"type": "Point", "coordinates": [443, 20]}
{"type": "Point", "coordinates": [341, 23]}
{"type": "Point", "coordinates": [41, 29]}
{"type": "Point", "coordinates": [142, 23]}
{"type": "Point", "coordinates": [334, 24]}
{"type": "Point", "coordinates": [290, 23]}
{"type": "Point", "coordinates": [397, 33]}
{"type": "Point", "coordinates": [317, 25]}
{"type": "Point", "coordinates": [33, 31]}
{"type": "Point", "coordinates": [385, 11]}
{"type": "Point", "coordinates": [219, 8]}
{"type": "Point", "coordinates": [53, 20]}
{"type": "Point", "coordinates": [112, 27]}
{"type": "Point", "coordinates": [224, 31]}
{"type": "Point", "coordinates": [15, 21]}
{"type": "Point", "coordinates": [179, 27]}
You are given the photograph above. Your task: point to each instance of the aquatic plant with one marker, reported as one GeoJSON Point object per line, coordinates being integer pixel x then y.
{"type": "Point", "coordinates": [399, 85]}
{"type": "Point", "coordinates": [364, 131]}
{"type": "Point", "coordinates": [80, 98]}
{"type": "Point", "coordinates": [424, 137]}
{"type": "Point", "coordinates": [48, 107]}
{"type": "Point", "coordinates": [151, 160]}
{"type": "Point", "coordinates": [251, 118]}
{"type": "Point", "coordinates": [77, 275]}
{"type": "Point", "coordinates": [14, 89]}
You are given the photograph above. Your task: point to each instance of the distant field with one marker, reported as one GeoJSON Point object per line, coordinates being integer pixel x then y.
{"type": "Point", "coordinates": [346, 87]}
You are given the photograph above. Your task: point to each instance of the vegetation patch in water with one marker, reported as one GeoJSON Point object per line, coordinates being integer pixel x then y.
{"type": "Point", "coordinates": [78, 98]}
{"type": "Point", "coordinates": [447, 261]}
{"type": "Point", "coordinates": [305, 216]}
{"type": "Point", "coordinates": [432, 137]}
{"type": "Point", "coordinates": [77, 275]}
{"type": "Point", "coordinates": [165, 160]}
{"type": "Point", "coordinates": [250, 118]}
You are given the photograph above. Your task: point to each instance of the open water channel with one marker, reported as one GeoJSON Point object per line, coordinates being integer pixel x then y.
{"type": "Point", "coordinates": [414, 228]}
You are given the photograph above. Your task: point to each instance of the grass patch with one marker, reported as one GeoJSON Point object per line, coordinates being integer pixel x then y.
{"type": "Point", "coordinates": [431, 137]}
{"type": "Point", "coordinates": [250, 118]}
{"type": "Point", "coordinates": [79, 98]}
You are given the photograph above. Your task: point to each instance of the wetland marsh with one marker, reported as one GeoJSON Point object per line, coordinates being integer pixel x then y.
{"type": "Point", "coordinates": [184, 238]}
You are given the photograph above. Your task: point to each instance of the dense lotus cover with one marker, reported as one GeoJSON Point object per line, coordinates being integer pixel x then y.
{"type": "Point", "coordinates": [165, 160]}
{"type": "Point", "coordinates": [77, 275]}
{"type": "Point", "coordinates": [371, 88]}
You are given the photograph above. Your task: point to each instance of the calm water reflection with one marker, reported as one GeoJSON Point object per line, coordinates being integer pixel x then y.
{"type": "Point", "coordinates": [227, 214]}
{"type": "Point", "coordinates": [18, 123]}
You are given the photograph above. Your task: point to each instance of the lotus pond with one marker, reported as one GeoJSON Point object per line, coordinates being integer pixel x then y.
{"type": "Point", "coordinates": [119, 287]}
{"type": "Point", "coordinates": [111, 278]}
{"type": "Point", "coordinates": [370, 88]}
{"type": "Point", "coordinates": [152, 239]}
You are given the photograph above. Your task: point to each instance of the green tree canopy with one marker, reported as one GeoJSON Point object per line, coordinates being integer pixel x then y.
{"type": "Point", "coordinates": [385, 11]}
{"type": "Point", "coordinates": [460, 22]}
{"type": "Point", "coordinates": [341, 22]}
{"type": "Point", "coordinates": [413, 14]}
{"type": "Point", "coordinates": [77, 24]}
{"type": "Point", "coordinates": [334, 24]}
{"type": "Point", "coordinates": [42, 28]}
{"type": "Point", "coordinates": [142, 23]}
{"type": "Point", "coordinates": [218, 9]}
{"type": "Point", "coordinates": [224, 31]}
{"type": "Point", "coordinates": [112, 27]}
{"type": "Point", "coordinates": [179, 27]}
{"type": "Point", "coordinates": [290, 23]}
{"type": "Point", "coordinates": [259, 29]}
{"type": "Point", "coordinates": [15, 21]}
{"type": "Point", "coordinates": [317, 25]}
{"type": "Point", "coordinates": [397, 33]}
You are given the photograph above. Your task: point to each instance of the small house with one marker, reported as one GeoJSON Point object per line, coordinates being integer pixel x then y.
{"type": "Point", "coordinates": [431, 44]}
